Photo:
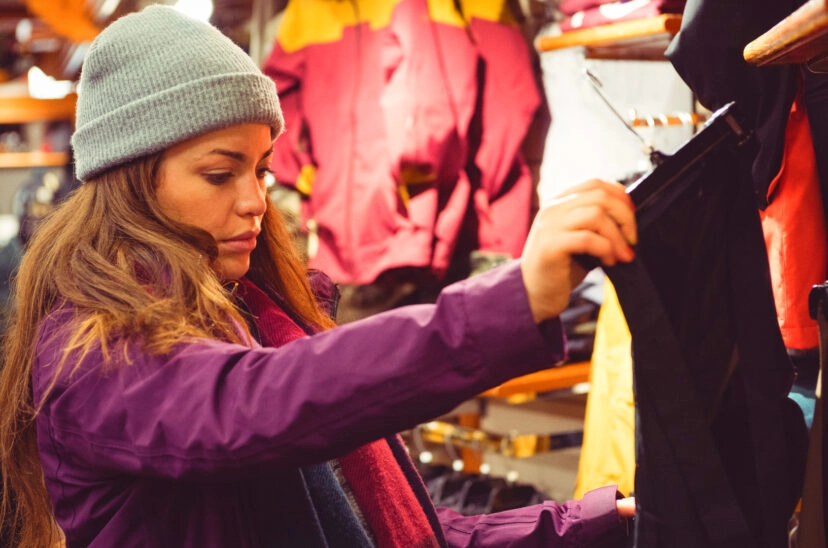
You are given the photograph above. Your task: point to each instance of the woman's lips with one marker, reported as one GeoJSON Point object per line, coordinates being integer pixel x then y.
{"type": "Point", "coordinates": [244, 243]}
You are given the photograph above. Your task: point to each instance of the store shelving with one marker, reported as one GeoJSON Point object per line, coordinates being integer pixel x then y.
{"type": "Point", "coordinates": [25, 110]}
{"type": "Point", "coordinates": [640, 39]}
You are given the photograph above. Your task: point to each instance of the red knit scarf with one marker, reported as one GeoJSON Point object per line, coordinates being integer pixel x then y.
{"type": "Point", "coordinates": [378, 484]}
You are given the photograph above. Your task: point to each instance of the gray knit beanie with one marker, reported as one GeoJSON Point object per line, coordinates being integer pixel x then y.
{"type": "Point", "coordinates": [157, 77]}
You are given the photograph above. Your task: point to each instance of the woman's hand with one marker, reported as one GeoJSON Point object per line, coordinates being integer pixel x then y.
{"type": "Point", "coordinates": [594, 218]}
{"type": "Point", "coordinates": [626, 507]}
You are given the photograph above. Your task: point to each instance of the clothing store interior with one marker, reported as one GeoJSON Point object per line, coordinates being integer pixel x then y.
{"type": "Point", "coordinates": [468, 116]}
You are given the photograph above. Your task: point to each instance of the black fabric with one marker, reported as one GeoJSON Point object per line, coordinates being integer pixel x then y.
{"type": "Point", "coordinates": [819, 303]}
{"type": "Point", "coordinates": [815, 93]}
{"type": "Point", "coordinates": [339, 525]}
{"type": "Point", "coordinates": [294, 523]}
{"type": "Point", "coordinates": [708, 55]}
{"type": "Point", "coordinates": [720, 448]}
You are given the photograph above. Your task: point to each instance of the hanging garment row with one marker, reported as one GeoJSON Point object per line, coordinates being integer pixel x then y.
{"type": "Point", "coordinates": [474, 494]}
{"type": "Point", "coordinates": [581, 14]}
{"type": "Point", "coordinates": [664, 120]}
{"type": "Point", "coordinates": [511, 445]}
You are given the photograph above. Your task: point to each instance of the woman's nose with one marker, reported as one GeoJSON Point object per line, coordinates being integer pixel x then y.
{"type": "Point", "coordinates": [251, 199]}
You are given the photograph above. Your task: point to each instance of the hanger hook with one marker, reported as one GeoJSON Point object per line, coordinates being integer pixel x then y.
{"type": "Point", "coordinates": [423, 455]}
{"type": "Point", "coordinates": [656, 157]}
{"type": "Point", "coordinates": [457, 463]}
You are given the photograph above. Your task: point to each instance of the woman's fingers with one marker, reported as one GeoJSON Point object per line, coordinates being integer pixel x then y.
{"type": "Point", "coordinates": [599, 207]}
{"type": "Point", "coordinates": [626, 507]}
{"type": "Point", "coordinates": [594, 218]}
{"type": "Point", "coordinates": [599, 233]}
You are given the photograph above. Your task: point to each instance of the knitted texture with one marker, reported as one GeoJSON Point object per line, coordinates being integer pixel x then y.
{"type": "Point", "coordinates": [380, 489]}
{"type": "Point", "coordinates": [386, 499]}
{"type": "Point", "coordinates": [158, 77]}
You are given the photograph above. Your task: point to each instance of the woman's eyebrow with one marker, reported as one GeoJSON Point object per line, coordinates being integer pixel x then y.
{"type": "Point", "coordinates": [238, 156]}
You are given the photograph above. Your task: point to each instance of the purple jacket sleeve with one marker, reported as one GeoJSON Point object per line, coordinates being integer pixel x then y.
{"type": "Point", "coordinates": [212, 407]}
{"type": "Point", "coordinates": [592, 521]}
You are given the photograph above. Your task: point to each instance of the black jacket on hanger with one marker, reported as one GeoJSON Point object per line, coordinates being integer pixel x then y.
{"type": "Point", "coordinates": [708, 55]}
{"type": "Point", "coordinates": [720, 448]}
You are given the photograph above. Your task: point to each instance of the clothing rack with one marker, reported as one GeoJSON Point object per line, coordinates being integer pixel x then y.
{"type": "Point", "coordinates": [802, 37]}
{"type": "Point", "coordinates": [509, 445]}
{"type": "Point", "coordinates": [566, 380]}
{"type": "Point", "coordinates": [644, 39]}
{"type": "Point", "coordinates": [661, 120]}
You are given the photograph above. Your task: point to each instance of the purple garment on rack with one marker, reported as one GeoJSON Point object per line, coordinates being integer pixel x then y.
{"type": "Point", "coordinates": [614, 12]}
{"type": "Point", "coordinates": [568, 7]}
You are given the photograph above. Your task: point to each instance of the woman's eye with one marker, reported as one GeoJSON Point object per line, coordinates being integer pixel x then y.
{"type": "Point", "coordinates": [218, 178]}
{"type": "Point", "coordinates": [262, 172]}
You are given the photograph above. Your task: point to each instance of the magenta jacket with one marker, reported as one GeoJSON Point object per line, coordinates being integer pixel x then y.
{"type": "Point", "coordinates": [200, 447]}
{"type": "Point", "coordinates": [377, 98]}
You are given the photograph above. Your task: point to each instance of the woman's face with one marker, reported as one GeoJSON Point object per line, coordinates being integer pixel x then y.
{"type": "Point", "coordinates": [216, 182]}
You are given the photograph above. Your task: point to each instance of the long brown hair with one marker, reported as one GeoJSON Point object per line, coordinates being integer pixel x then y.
{"type": "Point", "coordinates": [127, 269]}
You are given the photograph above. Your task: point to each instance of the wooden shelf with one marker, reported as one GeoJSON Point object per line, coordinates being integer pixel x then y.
{"type": "Point", "coordinates": [33, 159]}
{"type": "Point", "coordinates": [22, 110]}
{"type": "Point", "coordinates": [645, 39]}
{"type": "Point", "coordinates": [558, 378]}
{"type": "Point", "coordinates": [799, 38]}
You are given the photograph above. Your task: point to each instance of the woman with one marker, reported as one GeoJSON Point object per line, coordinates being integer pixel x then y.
{"type": "Point", "coordinates": [158, 371]}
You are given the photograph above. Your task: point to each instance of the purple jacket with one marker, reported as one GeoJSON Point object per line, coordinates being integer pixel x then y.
{"type": "Point", "coordinates": [193, 448]}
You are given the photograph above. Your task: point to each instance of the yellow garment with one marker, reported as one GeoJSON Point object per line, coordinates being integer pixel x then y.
{"type": "Point", "coordinates": [608, 450]}
{"type": "Point", "coordinates": [488, 10]}
{"type": "Point", "coordinates": [304, 183]}
{"type": "Point", "coordinates": [307, 22]}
